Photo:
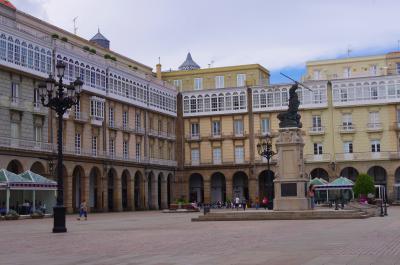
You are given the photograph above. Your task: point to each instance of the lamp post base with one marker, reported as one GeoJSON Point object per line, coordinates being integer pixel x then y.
{"type": "Point", "coordinates": [59, 219]}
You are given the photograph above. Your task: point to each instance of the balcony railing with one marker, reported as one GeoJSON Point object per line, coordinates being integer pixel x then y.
{"type": "Point", "coordinates": [25, 144]}
{"type": "Point", "coordinates": [193, 137]}
{"type": "Point", "coordinates": [347, 128]}
{"type": "Point", "coordinates": [81, 116]}
{"type": "Point", "coordinates": [318, 158]}
{"type": "Point", "coordinates": [367, 156]}
{"type": "Point", "coordinates": [97, 121]}
{"type": "Point", "coordinates": [316, 130]}
{"type": "Point", "coordinates": [376, 126]}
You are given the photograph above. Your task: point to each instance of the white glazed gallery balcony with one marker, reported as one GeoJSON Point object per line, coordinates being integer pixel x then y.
{"type": "Point", "coordinates": [316, 130]}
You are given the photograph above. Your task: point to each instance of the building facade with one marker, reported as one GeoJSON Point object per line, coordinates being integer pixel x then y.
{"type": "Point", "coordinates": [350, 125]}
{"type": "Point", "coordinates": [119, 141]}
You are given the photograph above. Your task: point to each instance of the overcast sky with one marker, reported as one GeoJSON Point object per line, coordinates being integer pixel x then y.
{"type": "Point", "coordinates": [280, 35]}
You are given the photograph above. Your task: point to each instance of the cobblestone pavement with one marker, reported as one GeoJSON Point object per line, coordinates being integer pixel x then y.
{"type": "Point", "coordinates": [159, 238]}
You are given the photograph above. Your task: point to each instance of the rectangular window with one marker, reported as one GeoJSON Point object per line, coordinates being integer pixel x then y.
{"type": "Point", "coordinates": [216, 128]}
{"type": "Point", "coordinates": [111, 117]}
{"type": "Point", "coordinates": [265, 126]}
{"type": "Point", "coordinates": [178, 84]}
{"type": "Point", "coordinates": [125, 148]}
{"type": "Point", "coordinates": [94, 145]}
{"type": "Point", "coordinates": [195, 157]}
{"type": "Point", "coordinates": [348, 147]}
{"type": "Point", "coordinates": [14, 130]}
{"type": "Point", "coordinates": [373, 70]}
{"type": "Point", "coordinates": [195, 130]}
{"type": "Point", "coordinates": [317, 149]}
{"type": "Point", "coordinates": [347, 121]}
{"type": "Point", "coordinates": [14, 92]}
{"type": "Point", "coordinates": [125, 120]}
{"type": "Point", "coordinates": [317, 124]}
{"type": "Point", "coordinates": [138, 121]}
{"type": "Point", "coordinates": [36, 98]}
{"type": "Point", "coordinates": [238, 127]}
{"type": "Point", "coordinates": [111, 148]}
{"type": "Point", "coordinates": [347, 72]}
{"type": "Point", "coordinates": [78, 110]}
{"type": "Point", "coordinates": [97, 108]}
{"type": "Point", "coordinates": [317, 74]}
{"type": "Point", "coordinates": [239, 154]}
{"type": "Point", "coordinates": [217, 156]}
{"type": "Point", "coordinates": [38, 134]}
{"type": "Point", "coordinates": [241, 80]}
{"type": "Point", "coordinates": [374, 120]}
{"type": "Point", "coordinates": [198, 83]}
{"type": "Point", "coordinates": [138, 152]}
{"type": "Point", "coordinates": [219, 82]}
{"type": "Point", "coordinates": [375, 146]}
{"type": "Point", "coordinates": [77, 143]}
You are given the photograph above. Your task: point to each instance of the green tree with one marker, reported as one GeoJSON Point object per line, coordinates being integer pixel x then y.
{"type": "Point", "coordinates": [364, 185]}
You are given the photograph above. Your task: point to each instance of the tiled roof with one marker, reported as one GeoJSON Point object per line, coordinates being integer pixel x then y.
{"type": "Point", "coordinates": [99, 36]}
{"type": "Point", "coordinates": [189, 64]}
{"type": "Point", "coordinates": [7, 3]}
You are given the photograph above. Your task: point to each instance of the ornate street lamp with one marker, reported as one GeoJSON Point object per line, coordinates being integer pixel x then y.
{"type": "Point", "coordinates": [60, 97]}
{"type": "Point", "coordinates": [264, 149]}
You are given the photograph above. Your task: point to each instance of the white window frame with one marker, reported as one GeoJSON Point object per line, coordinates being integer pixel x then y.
{"type": "Point", "coordinates": [14, 92]}
{"type": "Point", "coordinates": [217, 156]}
{"type": "Point", "coordinates": [178, 84]}
{"type": "Point", "coordinates": [318, 149]}
{"type": "Point", "coordinates": [78, 143]}
{"type": "Point", "coordinates": [125, 149]}
{"type": "Point", "coordinates": [125, 120]}
{"type": "Point", "coordinates": [194, 130]}
{"type": "Point", "coordinates": [111, 148]}
{"type": "Point", "coordinates": [348, 147]}
{"type": "Point", "coordinates": [138, 152]}
{"type": "Point", "coordinates": [241, 80]}
{"type": "Point", "coordinates": [198, 83]}
{"type": "Point", "coordinates": [219, 81]}
{"type": "Point", "coordinates": [94, 145]}
{"type": "Point", "coordinates": [238, 127]}
{"type": "Point", "coordinates": [195, 156]}
{"type": "Point", "coordinates": [216, 128]}
{"type": "Point", "coordinates": [265, 126]}
{"type": "Point", "coordinates": [38, 130]}
{"type": "Point", "coordinates": [239, 154]}
{"type": "Point", "coordinates": [375, 146]}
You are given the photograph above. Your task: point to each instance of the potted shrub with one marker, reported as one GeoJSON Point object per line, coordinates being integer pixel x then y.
{"type": "Point", "coordinates": [93, 51]}
{"type": "Point", "coordinates": [12, 215]}
{"type": "Point", "coordinates": [86, 48]}
{"type": "Point", "coordinates": [64, 39]}
{"type": "Point", "coordinates": [37, 214]}
{"type": "Point", "coordinates": [363, 187]}
{"type": "Point", "coordinates": [54, 36]}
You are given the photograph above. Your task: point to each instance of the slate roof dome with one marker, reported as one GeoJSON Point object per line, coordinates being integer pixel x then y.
{"type": "Point", "coordinates": [189, 64]}
{"type": "Point", "coordinates": [101, 40]}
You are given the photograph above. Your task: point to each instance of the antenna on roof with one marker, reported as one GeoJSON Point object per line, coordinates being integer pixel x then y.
{"type": "Point", "coordinates": [159, 59]}
{"type": "Point", "coordinates": [349, 50]}
{"type": "Point", "coordinates": [75, 26]}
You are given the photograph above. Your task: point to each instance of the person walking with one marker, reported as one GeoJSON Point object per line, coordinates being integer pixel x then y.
{"type": "Point", "coordinates": [257, 203]}
{"type": "Point", "coordinates": [265, 202]}
{"type": "Point", "coordinates": [237, 201]}
{"type": "Point", "coordinates": [311, 195]}
{"type": "Point", "coordinates": [83, 210]}
{"type": "Point", "coordinates": [244, 204]}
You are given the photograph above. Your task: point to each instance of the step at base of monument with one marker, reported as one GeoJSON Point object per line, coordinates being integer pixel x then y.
{"type": "Point", "coordinates": [281, 215]}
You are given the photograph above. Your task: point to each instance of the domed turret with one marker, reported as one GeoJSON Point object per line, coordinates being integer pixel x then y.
{"type": "Point", "coordinates": [189, 64]}
{"type": "Point", "coordinates": [99, 39]}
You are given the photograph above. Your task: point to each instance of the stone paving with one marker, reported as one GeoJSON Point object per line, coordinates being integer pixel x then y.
{"type": "Point", "coordinates": [158, 238]}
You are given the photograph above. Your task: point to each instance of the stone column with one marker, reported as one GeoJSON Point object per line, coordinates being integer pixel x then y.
{"type": "Point", "coordinates": [85, 190]}
{"type": "Point", "coordinates": [207, 191]}
{"type": "Point", "coordinates": [253, 189]}
{"type": "Point", "coordinates": [104, 193]}
{"type": "Point", "coordinates": [390, 186]}
{"type": "Point", "coordinates": [229, 189]}
{"type": "Point", "coordinates": [68, 193]}
{"type": "Point", "coordinates": [291, 181]}
{"type": "Point", "coordinates": [145, 193]}
{"type": "Point", "coordinates": [131, 194]}
{"type": "Point", "coordinates": [164, 194]}
{"type": "Point", "coordinates": [154, 194]}
{"type": "Point", "coordinates": [117, 195]}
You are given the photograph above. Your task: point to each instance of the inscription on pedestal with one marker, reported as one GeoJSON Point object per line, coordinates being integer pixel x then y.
{"type": "Point", "coordinates": [288, 189]}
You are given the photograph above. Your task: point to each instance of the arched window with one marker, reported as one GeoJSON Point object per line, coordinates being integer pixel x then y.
{"type": "Point", "coordinates": [220, 102]}
{"type": "Point", "coordinates": [242, 100]}
{"type": "Point", "coordinates": [97, 84]}
{"type": "Point", "coordinates": [186, 104]}
{"type": "Point", "coordinates": [366, 91]}
{"type": "Point", "coordinates": [48, 62]}
{"type": "Point", "coordinates": [3, 47]}
{"type": "Point", "coordinates": [228, 101]}
{"type": "Point", "coordinates": [71, 69]}
{"type": "Point", "coordinates": [256, 99]}
{"type": "Point", "coordinates": [236, 105]}
{"type": "Point", "coordinates": [103, 81]}
{"type": "Point", "coordinates": [214, 102]}
{"type": "Point", "coordinates": [30, 56]}
{"type": "Point", "coordinates": [359, 93]}
{"type": "Point", "coordinates": [270, 98]}
{"type": "Point", "coordinates": [37, 59]}
{"type": "Point", "coordinates": [285, 97]}
{"type": "Point", "coordinates": [277, 97]}
{"type": "Point", "coordinates": [351, 92]}
{"type": "Point", "coordinates": [263, 99]}
{"type": "Point", "coordinates": [17, 52]}
{"type": "Point", "coordinates": [391, 89]}
{"type": "Point", "coordinates": [199, 104]}
{"type": "Point", "coordinates": [207, 103]}
{"type": "Point", "coordinates": [43, 60]}
{"type": "Point", "coordinates": [374, 90]}
{"type": "Point", "coordinates": [92, 77]}
{"type": "Point", "coordinates": [87, 75]}
{"type": "Point", "coordinates": [82, 73]}
{"type": "Point", "coordinates": [10, 51]}
{"type": "Point", "coordinates": [24, 54]}
{"type": "Point", "coordinates": [77, 70]}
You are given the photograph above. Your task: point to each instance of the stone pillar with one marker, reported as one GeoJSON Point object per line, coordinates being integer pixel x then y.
{"type": "Point", "coordinates": [164, 194]}
{"type": "Point", "coordinates": [229, 189]}
{"type": "Point", "coordinates": [207, 191]}
{"type": "Point", "coordinates": [85, 190]}
{"type": "Point", "coordinates": [253, 189]}
{"type": "Point", "coordinates": [291, 181]}
{"type": "Point", "coordinates": [145, 193]}
{"type": "Point", "coordinates": [154, 194]}
{"type": "Point", "coordinates": [117, 195]}
{"type": "Point", "coordinates": [68, 193]}
{"type": "Point", "coordinates": [390, 181]}
{"type": "Point", "coordinates": [104, 193]}
{"type": "Point", "coordinates": [131, 194]}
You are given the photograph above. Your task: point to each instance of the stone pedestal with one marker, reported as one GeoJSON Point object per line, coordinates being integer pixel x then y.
{"type": "Point", "coordinates": [290, 179]}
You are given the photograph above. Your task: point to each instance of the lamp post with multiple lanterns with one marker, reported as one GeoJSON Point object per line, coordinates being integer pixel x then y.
{"type": "Point", "coordinates": [264, 149]}
{"type": "Point", "coordinates": [60, 97]}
